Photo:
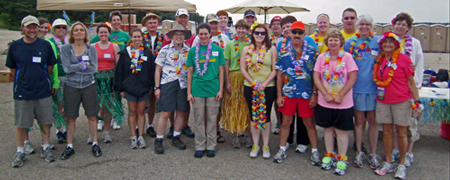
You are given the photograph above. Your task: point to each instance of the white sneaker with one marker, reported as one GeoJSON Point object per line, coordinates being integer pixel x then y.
{"type": "Point", "coordinates": [115, 126]}
{"type": "Point", "coordinates": [100, 125]}
{"type": "Point", "coordinates": [287, 146]}
{"type": "Point", "coordinates": [301, 148]}
{"type": "Point", "coordinates": [28, 148]}
{"type": "Point", "coordinates": [254, 152]}
{"type": "Point", "coordinates": [106, 137]}
{"type": "Point", "coordinates": [266, 152]}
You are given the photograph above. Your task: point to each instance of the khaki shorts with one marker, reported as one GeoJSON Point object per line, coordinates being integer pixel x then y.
{"type": "Point", "coordinates": [396, 113]}
{"type": "Point", "coordinates": [413, 130]}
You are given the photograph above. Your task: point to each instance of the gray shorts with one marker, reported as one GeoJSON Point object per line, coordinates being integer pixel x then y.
{"type": "Point", "coordinates": [62, 81]}
{"type": "Point", "coordinates": [26, 110]}
{"type": "Point", "coordinates": [173, 98]}
{"type": "Point", "coordinates": [73, 97]}
{"type": "Point", "coordinates": [134, 98]}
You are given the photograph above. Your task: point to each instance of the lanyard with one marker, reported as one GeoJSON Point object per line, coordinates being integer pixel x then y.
{"type": "Point", "coordinates": [384, 68]}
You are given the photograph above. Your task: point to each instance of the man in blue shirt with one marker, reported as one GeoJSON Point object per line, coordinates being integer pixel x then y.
{"type": "Point", "coordinates": [31, 60]}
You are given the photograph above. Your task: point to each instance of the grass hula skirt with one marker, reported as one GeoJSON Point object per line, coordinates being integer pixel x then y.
{"type": "Point", "coordinates": [108, 99]}
{"type": "Point", "coordinates": [235, 114]}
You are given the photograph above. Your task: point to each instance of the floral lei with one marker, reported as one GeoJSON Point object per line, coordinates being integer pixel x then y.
{"type": "Point", "coordinates": [175, 59]}
{"type": "Point", "coordinates": [298, 61]}
{"type": "Point", "coordinates": [208, 54]}
{"type": "Point", "coordinates": [236, 47]}
{"type": "Point", "coordinates": [148, 44]}
{"type": "Point", "coordinates": [283, 49]}
{"type": "Point", "coordinates": [328, 67]}
{"type": "Point", "coordinates": [219, 35]}
{"type": "Point", "coordinates": [361, 47]}
{"type": "Point", "coordinates": [259, 107]}
{"type": "Point", "coordinates": [316, 35]}
{"type": "Point", "coordinates": [272, 37]}
{"type": "Point", "coordinates": [136, 64]}
{"type": "Point", "coordinates": [259, 59]}
{"type": "Point", "coordinates": [408, 44]}
{"type": "Point", "coordinates": [227, 30]}
{"type": "Point", "coordinates": [58, 41]}
{"type": "Point", "coordinates": [392, 65]}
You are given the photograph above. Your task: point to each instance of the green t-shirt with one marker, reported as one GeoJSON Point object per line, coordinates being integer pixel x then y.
{"type": "Point", "coordinates": [230, 54]}
{"type": "Point", "coordinates": [61, 72]}
{"type": "Point", "coordinates": [120, 38]}
{"type": "Point", "coordinates": [207, 85]}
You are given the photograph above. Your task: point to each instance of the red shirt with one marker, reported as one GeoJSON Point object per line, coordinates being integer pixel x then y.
{"type": "Point", "coordinates": [106, 57]}
{"type": "Point", "coordinates": [397, 90]}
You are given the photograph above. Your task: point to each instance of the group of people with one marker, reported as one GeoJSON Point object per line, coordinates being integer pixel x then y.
{"type": "Point", "coordinates": [338, 80]}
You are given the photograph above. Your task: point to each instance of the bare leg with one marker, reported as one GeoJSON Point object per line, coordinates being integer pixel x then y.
{"type": "Point", "coordinates": [151, 107]}
{"type": "Point", "coordinates": [93, 127]}
{"type": "Point", "coordinates": [284, 130]}
{"type": "Point", "coordinates": [312, 132]}
{"type": "Point", "coordinates": [410, 147]}
{"type": "Point", "coordinates": [46, 134]}
{"type": "Point", "coordinates": [162, 123]}
{"type": "Point", "coordinates": [266, 134]}
{"type": "Point", "coordinates": [373, 131]}
{"type": "Point", "coordinates": [141, 116]}
{"type": "Point", "coordinates": [255, 135]}
{"type": "Point", "coordinates": [387, 141]}
{"type": "Point", "coordinates": [402, 142]}
{"type": "Point", "coordinates": [342, 141]}
{"type": "Point", "coordinates": [71, 130]}
{"type": "Point", "coordinates": [179, 120]}
{"type": "Point", "coordinates": [132, 117]}
{"type": "Point", "coordinates": [20, 136]}
{"type": "Point", "coordinates": [329, 139]}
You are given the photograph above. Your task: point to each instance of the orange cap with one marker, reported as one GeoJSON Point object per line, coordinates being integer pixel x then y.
{"type": "Point", "coordinates": [298, 25]}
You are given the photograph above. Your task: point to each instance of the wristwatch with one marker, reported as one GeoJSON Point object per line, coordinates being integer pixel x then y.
{"type": "Point", "coordinates": [155, 88]}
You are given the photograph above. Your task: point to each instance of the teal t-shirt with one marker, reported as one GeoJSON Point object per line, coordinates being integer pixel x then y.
{"type": "Point", "coordinates": [120, 38]}
{"type": "Point", "coordinates": [207, 85]}
{"type": "Point", "coordinates": [230, 53]}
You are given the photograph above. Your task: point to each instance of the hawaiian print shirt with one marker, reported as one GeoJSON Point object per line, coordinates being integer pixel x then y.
{"type": "Point", "coordinates": [171, 70]}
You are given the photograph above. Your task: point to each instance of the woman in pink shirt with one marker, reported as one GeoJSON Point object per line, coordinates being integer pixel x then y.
{"type": "Point", "coordinates": [107, 59]}
{"type": "Point", "coordinates": [397, 98]}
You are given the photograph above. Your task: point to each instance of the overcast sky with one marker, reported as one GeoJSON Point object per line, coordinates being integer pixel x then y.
{"type": "Point", "coordinates": [381, 10]}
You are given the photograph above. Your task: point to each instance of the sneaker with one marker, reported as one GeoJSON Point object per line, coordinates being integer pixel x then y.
{"type": "Point", "coordinates": [374, 161]}
{"type": "Point", "coordinates": [18, 159]}
{"type": "Point", "coordinates": [315, 158]}
{"type": "Point", "coordinates": [363, 149]}
{"type": "Point", "coordinates": [28, 148]}
{"type": "Point", "coordinates": [300, 148]}
{"type": "Point", "coordinates": [60, 137]}
{"type": "Point", "coordinates": [186, 130]}
{"type": "Point", "coordinates": [280, 156]}
{"type": "Point", "coordinates": [276, 130]}
{"type": "Point", "coordinates": [400, 172]}
{"type": "Point", "coordinates": [341, 167]}
{"type": "Point", "coordinates": [266, 152]}
{"type": "Point", "coordinates": [395, 155]}
{"type": "Point", "coordinates": [199, 154]}
{"type": "Point", "coordinates": [170, 134]}
{"type": "Point", "coordinates": [89, 140]}
{"type": "Point", "coordinates": [159, 148]}
{"type": "Point", "coordinates": [288, 146]}
{"type": "Point", "coordinates": [210, 153]}
{"type": "Point", "coordinates": [151, 131]}
{"type": "Point", "coordinates": [409, 159]}
{"type": "Point", "coordinates": [106, 137]}
{"type": "Point", "coordinates": [236, 142]}
{"type": "Point", "coordinates": [141, 143]}
{"type": "Point", "coordinates": [96, 150]}
{"type": "Point", "coordinates": [358, 162]}
{"type": "Point", "coordinates": [50, 145]}
{"type": "Point", "coordinates": [48, 155]}
{"type": "Point", "coordinates": [133, 144]}
{"type": "Point", "coordinates": [254, 152]}
{"type": "Point", "coordinates": [176, 141]}
{"type": "Point", "coordinates": [67, 153]}
{"type": "Point", "coordinates": [328, 163]}
{"type": "Point", "coordinates": [115, 126]}
{"type": "Point", "coordinates": [100, 125]}
{"type": "Point", "coordinates": [247, 141]}
{"type": "Point", "coordinates": [386, 168]}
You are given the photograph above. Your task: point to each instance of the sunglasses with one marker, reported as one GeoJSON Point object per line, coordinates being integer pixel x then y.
{"type": "Point", "coordinates": [299, 32]}
{"type": "Point", "coordinates": [347, 18]}
{"type": "Point", "coordinates": [60, 27]}
{"type": "Point", "coordinates": [260, 33]}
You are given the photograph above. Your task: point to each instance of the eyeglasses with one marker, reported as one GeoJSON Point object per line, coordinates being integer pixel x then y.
{"type": "Point", "coordinates": [347, 18]}
{"type": "Point", "coordinates": [60, 27]}
{"type": "Point", "coordinates": [262, 33]}
{"type": "Point", "coordinates": [276, 24]}
{"type": "Point", "coordinates": [299, 32]}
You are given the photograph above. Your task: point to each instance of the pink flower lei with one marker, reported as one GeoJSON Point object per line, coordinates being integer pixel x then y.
{"type": "Point", "coordinates": [58, 41]}
{"type": "Point", "coordinates": [408, 44]}
{"type": "Point", "coordinates": [208, 54]}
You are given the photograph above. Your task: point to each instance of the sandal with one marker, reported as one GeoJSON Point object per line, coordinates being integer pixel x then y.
{"type": "Point", "coordinates": [220, 138]}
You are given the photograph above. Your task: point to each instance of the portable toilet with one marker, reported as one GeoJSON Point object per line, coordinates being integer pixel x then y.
{"type": "Point", "coordinates": [340, 26]}
{"type": "Point", "coordinates": [377, 29]}
{"type": "Point", "coordinates": [307, 27]}
{"type": "Point", "coordinates": [334, 26]}
{"type": "Point", "coordinates": [447, 46]}
{"type": "Point", "coordinates": [438, 37]}
{"type": "Point", "coordinates": [166, 25]}
{"type": "Point", "coordinates": [422, 33]}
{"type": "Point", "coordinates": [387, 28]}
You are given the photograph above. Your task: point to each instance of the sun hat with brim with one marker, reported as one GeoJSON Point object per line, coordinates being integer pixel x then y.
{"type": "Point", "coordinates": [187, 33]}
{"type": "Point", "coordinates": [392, 35]}
{"type": "Point", "coordinates": [59, 22]}
{"type": "Point", "coordinates": [148, 15]}
{"type": "Point", "coordinates": [27, 20]}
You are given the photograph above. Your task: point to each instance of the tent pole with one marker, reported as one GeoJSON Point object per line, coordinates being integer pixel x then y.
{"type": "Point", "coordinates": [129, 21]}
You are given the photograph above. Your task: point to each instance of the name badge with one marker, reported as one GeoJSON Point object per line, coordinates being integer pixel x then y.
{"type": "Point", "coordinates": [85, 58]}
{"type": "Point", "coordinates": [374, 53]}
{"type": "Point", "coordinates": [380, 93]}
{"type": "Point", "coordinates": [306, 56]}
{"type": "Point", "coordinates": [36, 59]}
{"type": "Point", "coordinates": [144, 58]}
{"type": "Point", "coordinates": [215, 53]}
{"type": "Point", "coordinates": [319, 44]}
{"type": "Point", "coordinates": [106, 56]}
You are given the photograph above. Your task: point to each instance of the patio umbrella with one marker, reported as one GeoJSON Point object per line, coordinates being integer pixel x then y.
{"type": "Point", "coordinates": [266, 7]}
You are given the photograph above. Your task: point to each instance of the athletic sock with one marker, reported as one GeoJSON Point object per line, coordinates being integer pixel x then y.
{"type": "Point", "coordinates": [20, 149]}
{"type": "Point", "coordinates": [70, 145]}
{"type": "Point", "coordinates": [175, 133]}
{"type": "Point", "coordinates": [314, 150]}
{"type": "Point", "coordinates": [44, 146]}
{"type": "Point", "coordinates": [159, 136]}
{"type": "Point", "coordinates": [283, 148]}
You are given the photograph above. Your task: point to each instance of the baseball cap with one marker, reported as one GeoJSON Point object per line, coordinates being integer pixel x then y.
{"type": "Point", "coordinates": [212, 17]}
{"type": "Point", "coordinates": [27, 20]}
{"type": "Point", "coordinates": [249, 13]}
{"type": "Point", "coordinates": [298, 25]}
{"type": "Point", "coordinates": [276, 18]}
{"type": "Point", "coordinates": [182, 11]}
